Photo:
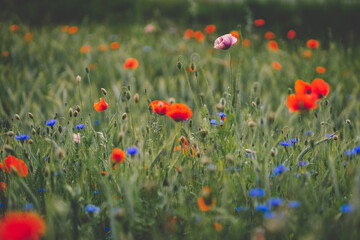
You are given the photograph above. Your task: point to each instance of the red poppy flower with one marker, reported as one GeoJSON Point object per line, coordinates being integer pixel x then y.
{"type": "Point", "coordinates": [2, 186]}
{"type": "Point", "coordinates": [206, 202]}
{"type": "Point", "coordinates": [65, 28]}
{"type": "Point", "coordinates": [276, 65]}
{"type": "Point", "coordinates": [5, 54]}
{"type": "Point", "coordinates": [199, 36]}
{"type": "Point", "coordinates": [131, 63]}
{"type": "Point", "coordinates": [22, 225]}
{"type": "Point", "coordinates": [246, 42]}
{"type": "Point", "coordinates": [85, 48]}
{"type": "Point", "coordinates": [269, 35]}
{"type": "Point", "coordinates": [291, 34]}
{"type": "Point", "coordinates": [320, 69]}
{"type": "Point", "coordinates": [210, 29]}
{"type": "Point", "coordinates": [72, 30]}
{"type": "Point", "coordinates": [272, 45]}
{"type": "Point", "coordinates": [236, 34]}
{"type": "Point", "coordinates": [189, 33]}
{"type": "Point", "coordinates": [301, 102]}
{"type": "Point", "coordinates": [28, 37]}
{"type": "Point", "coordinates": [192, 70]}
{"type": "Point", "coordinates": [118, 156]}
{"type": "Point", "coordinates": [320, 88]}
{"type": "Point", "coordinates": [12, 162]}
{"type": "Point", "coordinates": [114, 45]}
{"type": "Point", "coordinates": [307, 54]}
{"type": "Point", "coordinates": [302, 87]}
{"type": "Point", "coordinates": [159, 107]}
{"type": "Point", "coordinates": [102, 47]}
{"type": "Point", "coordinates": [312, 43]}
{"type": "Point", "coordinates": [100, 106]}
{"type": "Point", "coordinates": [14, 27]}
{"type": "Point", "coordinates": [179, 112]}
{"type": "Point", "coordinates": [259, 22]}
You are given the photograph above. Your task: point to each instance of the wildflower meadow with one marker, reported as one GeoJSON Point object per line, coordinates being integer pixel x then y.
{"type": "Point", "coordinates": [166, 131]}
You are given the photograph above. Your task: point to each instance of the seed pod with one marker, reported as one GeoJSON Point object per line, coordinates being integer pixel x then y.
{"type": "Point", "coordinates": [31, 115]}
{"type": "Point", "coordinates": [103, 90]}
{"type": "Point", "coordinates": [120, 136]}
{"type": "Point", "coordinates": [71, 112]}
{"type": "Point", "coordinates": [136, 98]}
{"type": "Point", "coordinates": [124, 115]}
{"type": "Point", "coordinates": [10, 133]}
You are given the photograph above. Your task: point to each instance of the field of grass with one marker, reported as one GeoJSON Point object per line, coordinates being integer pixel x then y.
{"type": "Point", "coordinates": [309, 189]}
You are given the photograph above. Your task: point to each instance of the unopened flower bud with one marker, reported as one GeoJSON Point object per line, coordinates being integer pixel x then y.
{"type": "Point", "coordinates": [78, 108]}
{"type": "Point", "coordinates": [76, 113]}
{"type": "Point", "coordinates": [253, 104]}
{"type": "Point", "coordinates": [71, 111]}
{"type": "Point", "coordinates": [31, 115]}
{"type": "Point", "coordinates": [192, 66]}
{"type": "Point", "coordinates": [179, 65]}
{"type": "Point", "coordinates": [10, 133]}
{"type": "Point", "coordinates": [128, 95]}
{"type": "Point", "coordinates": [17, 117]}
{"type": "Point", "coordinates": [30, 141]}
{"type": "Point", "coordinates": [136, 98]}
{"type": "Point", "coordinates": [78, 78]}
{"type": "Point", "coordinates": [348, 121]}
{"type": "Point", "coordinates": [33, 131]}
{"type": "Point", "coordinates": [124, 115]}
{"type": "Point", "coordinates": [171, 100]}
{"type": "Point", "coordinates": [120, 136]}
{"type": "Point", "coordinates": [103, 90]}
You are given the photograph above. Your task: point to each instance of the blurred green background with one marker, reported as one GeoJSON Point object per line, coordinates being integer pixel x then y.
{"type": "Point", "coordinates": [321, 19]}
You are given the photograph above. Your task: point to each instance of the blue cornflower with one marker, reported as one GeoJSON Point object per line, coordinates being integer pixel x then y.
{"type": "Point", "coordinates": [91, 208]}
{"type": "Point", "coordinates": [294, 204]}
{"type": "Point", "coordinates": [96, 122]}
{"type": "Point", "coordinates": [221, 114]}
{"type": "Point", "coordinates": [132, 150]}
{"type": "Point", "coordinates": [27, 207]}
{"type": "Point", "coordinates": [51, 122]}
{"type": "Point", "coordinates": [279, 169]}
{"type": "Point", "coordinates": [275, 202]}
{"type": "Point", "coordinates": [107, 229]}
{"type": "Point", "coordinates": [308, 132]}
{"type": "Point", "coordinates": [47, 158]}
{"type": "Point", "coordinates": [247, 155]}
{"type": "Point", "coordinates": [302, 163]}
{"type": "Point", "coordinates": [97, 191]}
{"type": "Point", "coordinates": [293, 140]}
{"type": "Point", "coordinates": [346, 208]}
{"type": "Point", "coordinates": [41, 189]}
{"type": "Point", "coordinates": [285, 143]}
{"type": "Point", "coordinates": [213, 122]}
{"type": "Point", "coordinates": [22, 137]}
{"type": "Point", "coordinates": [356, 150]}
{"type": "Point", "coordinates": [257, 192]}
{"type": "Point", "coordinates": [80, 126]}
{"type": "Point", "coordinates": [348, 153]}
{"type": "Point", "coordinates": [329, 135]}
{"type": "Point", "coordinates": [212, 167]}
{"type": "Point", "coordinates": [262, 207]}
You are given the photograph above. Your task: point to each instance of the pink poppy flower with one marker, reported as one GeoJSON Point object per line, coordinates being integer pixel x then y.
{"type": "Point", "coordinates": [224, 42]}
{"type": "Point", "coordinates": [149, 28]}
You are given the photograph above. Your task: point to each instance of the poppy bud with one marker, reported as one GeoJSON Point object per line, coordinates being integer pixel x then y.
{"type": "Point", "coordinates": [87, 70]}
{"type": "Point", "coordinates": [33, 131]}
{"type": "Point", "coordinates": [202, 96]}
{"type": "Point", "coordinates": [60, 129]}
{"type": "Point", "coordinates": [326, 102]}
{"type": "Point", "coordinates": [120, 136]}
{"type": "Point", "coordinates": [192, 66]}
{"type": "Point", "coordinates": [289, 91]}
{"type": "Point", "coordinates": [76, 113]}
{"type": "Point", "coordinates": [17, 117]}
{"type": "Point", "coordinates": [248, 150]}
{"type": "Point", "coordinates": [253, 104]}
{"type": "Point", "coordinates": [78, 108]}
{"type": "Point", "coordinates": [30, 141]}
{"type": "Point", "coordinates": [47, 171]}
{"type": "Point", "coordinates": [171, 100]}
{"type": "Point", "coordinates": [190, 123]}
{"type": "Point", "coordinates": [115, 123]}
{"type": "Point", "coordinates": [103, 90]}
{"type": "Point", "coordinates": [136, 98]}
{"type": "Point", "coordinates": [78, 78]}
{"type": "Point", "coordinates": [128, 95]}
{"type": "Point", "coordinates": [273, 152]}
{"type": "Point", "coordinates": [335, 137]}
{"type": "Point", "coordinates": [124, 115]}
{"type": "Point", "coordinates": [31, 115]}
{"type": "Point", "coordinates": [71, 112]}
{"type": "Point", "coordinates": [348, 121]}
{"type": "Point", "coordinates": [196, 74]}
{"type": "Point", "coordinates": [10, 133]}
{"type": "Point", "coordinates": [179, 65]}
{"type": "Point", "coordinates": [60, 153]}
